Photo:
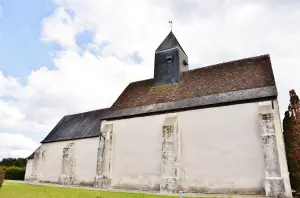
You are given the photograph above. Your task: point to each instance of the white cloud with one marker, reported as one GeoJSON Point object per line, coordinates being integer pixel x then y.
{"type": "Point", "coordinates": [93, 76]}
{"type": "Point", "coordinates": [59, 27]}
{"type": "Point", "coordinates": [16, 145]}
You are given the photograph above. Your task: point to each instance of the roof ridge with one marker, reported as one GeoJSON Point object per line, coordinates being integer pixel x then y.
{"type": "Point", "coordinates": [87, 112]}
{"type": "Point", "coordinates": [233, 61]}
{"type": "Point", "coordinates": [214, 65]}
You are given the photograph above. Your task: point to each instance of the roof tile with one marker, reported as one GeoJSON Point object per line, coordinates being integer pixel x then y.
{"type": "Point", "coordinates": [249, 73]}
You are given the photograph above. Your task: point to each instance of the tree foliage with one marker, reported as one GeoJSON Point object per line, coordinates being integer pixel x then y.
{"type": "Point", "coordinates": [291, 129]}
{"type": "Point", "coordinates": [18, 162]}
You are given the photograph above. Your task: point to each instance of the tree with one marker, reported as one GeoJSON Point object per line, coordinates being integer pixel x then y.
{"type": "Point", "coordinates": [18, 162]}
{"type": "Point", "coordinates": [291, 132]}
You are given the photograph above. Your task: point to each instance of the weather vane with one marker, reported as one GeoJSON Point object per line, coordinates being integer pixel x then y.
{"type": "Point", "coordinates": [171, 25]}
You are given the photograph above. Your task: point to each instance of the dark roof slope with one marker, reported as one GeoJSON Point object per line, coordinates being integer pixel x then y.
{"type": "Point", "coordinates": [76, 126]}
{"type": "Point", "coordinates": [249, 73]}
{"type": "Point", "coordinates": [169, 42]}
{"type": "Point", "coordinates": [31, 156]}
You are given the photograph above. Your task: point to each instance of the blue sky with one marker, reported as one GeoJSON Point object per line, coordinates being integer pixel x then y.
{"type": "Point", "coordinates": [21, 50]}
{"type": "Point", "coordinates": [20, 46]}
{"type": "Point", "coordinates": [59, 57]}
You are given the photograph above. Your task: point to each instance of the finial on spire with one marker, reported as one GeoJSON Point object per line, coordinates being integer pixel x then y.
{"type": "Point", "coordinates": [171, 25]}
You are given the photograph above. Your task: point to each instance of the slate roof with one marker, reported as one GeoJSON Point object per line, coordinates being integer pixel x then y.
{"type": "Point", "coordinates": [248, 73]}
{"type": "Point", "coordinates": [232, 82]}
{"type": "Point", "coordinates": [32, 155]}
{"type": "Point", "coordinates": [76, 126]}
{"type": "Point", "coordinates": [169, 42]}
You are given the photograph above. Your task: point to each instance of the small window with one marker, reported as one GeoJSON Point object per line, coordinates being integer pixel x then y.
{"type": "Point", "coordinates": [169, 58]}
{"type": "Point", "coordinates": [184, 63]}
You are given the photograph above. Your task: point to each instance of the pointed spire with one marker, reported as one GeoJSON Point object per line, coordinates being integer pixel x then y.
{"type": "Point", "coordinates": [169, 42]}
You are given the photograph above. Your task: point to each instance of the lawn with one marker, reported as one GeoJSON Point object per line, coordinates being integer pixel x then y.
{"type": "Point", "coordinates": [17, 190]}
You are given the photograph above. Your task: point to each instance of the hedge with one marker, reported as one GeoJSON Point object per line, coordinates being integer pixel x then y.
{"type": "Point", "coordinates": [2, 173]}
{"type": "Point", "coordinates": [15, 173]}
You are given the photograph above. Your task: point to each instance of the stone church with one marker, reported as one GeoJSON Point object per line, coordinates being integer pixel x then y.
{"type": "Point", "coordinates": [215, 129]}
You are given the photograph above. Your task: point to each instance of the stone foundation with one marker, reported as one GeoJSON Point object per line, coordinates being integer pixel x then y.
{"type": "Point", "coordinates": [169, 185]}
{"type": "Point", "coordinates": [275, 187]}
{"type": "Point", "coordinates": [102, 183]}
{"type": "Point", "coordinates": [66, 180]}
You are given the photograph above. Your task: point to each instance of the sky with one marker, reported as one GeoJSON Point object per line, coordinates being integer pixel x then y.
{"type": "Point", "coordinates": [59, 57]}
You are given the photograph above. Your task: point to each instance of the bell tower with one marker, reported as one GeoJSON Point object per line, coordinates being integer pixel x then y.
{"type": "Point", "coordinates": [170, 61]}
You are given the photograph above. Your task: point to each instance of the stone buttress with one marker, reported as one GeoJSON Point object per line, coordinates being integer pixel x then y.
{"type": "Point", "coordinates": [170, 153]}
{"type": "Point", "coordinates": [67, 176]}
{"type": "Point", "coordinates": [104, 158]}
{"type": "Point", "coordinates": [274, 184]}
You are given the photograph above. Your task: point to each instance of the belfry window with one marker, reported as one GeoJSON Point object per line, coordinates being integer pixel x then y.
{"type": "Point", "coordinates": [184, 63]}
{"type": "Point", "coordinates": [169, 58]}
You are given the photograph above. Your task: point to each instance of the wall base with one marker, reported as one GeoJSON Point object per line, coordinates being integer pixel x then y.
{"type": "Point", "coordinates": [169, 185]}
{"type": "Point", "coordinates": [274, 187]}
{"type": "Point", "coordinates": [66, 180]}
{"type": "Point", "coordinates": [102, 182]}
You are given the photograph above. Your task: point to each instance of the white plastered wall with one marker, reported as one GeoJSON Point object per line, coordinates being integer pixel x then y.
{"type": "Point", "coordinates": [137, 152]}
{"type": "Point", "coordinates": [28, 169]}
{"type": "Point", "coordinates": [85, 156]}
{"type": "Point", "coordinates": [221, 150]}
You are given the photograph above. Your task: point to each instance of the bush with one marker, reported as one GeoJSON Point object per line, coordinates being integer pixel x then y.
{"type": "Point", "coordinates": [2, 173]}
{"type": "Point", "coordinates": [15, 173]}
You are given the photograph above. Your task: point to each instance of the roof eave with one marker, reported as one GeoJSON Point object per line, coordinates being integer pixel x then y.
{"type": "Point", "coordinates": [220, 99]}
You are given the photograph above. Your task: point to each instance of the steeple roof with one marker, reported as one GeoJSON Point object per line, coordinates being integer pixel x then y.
{"type": "Point", "coordinates": [169, 42]}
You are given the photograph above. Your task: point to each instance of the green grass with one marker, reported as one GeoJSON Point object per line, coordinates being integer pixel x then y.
{"type": "Point", "coordinates": [17, 190]}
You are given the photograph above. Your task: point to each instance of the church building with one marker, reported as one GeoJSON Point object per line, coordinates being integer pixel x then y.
{"type": "Point", "coordinates": [214, 129]}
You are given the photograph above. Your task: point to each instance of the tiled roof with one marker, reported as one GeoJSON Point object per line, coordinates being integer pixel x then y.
{"type": "Point", "coordinates": [249, 73]}
{"type": "Point", "coordinates": [221, 99]}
